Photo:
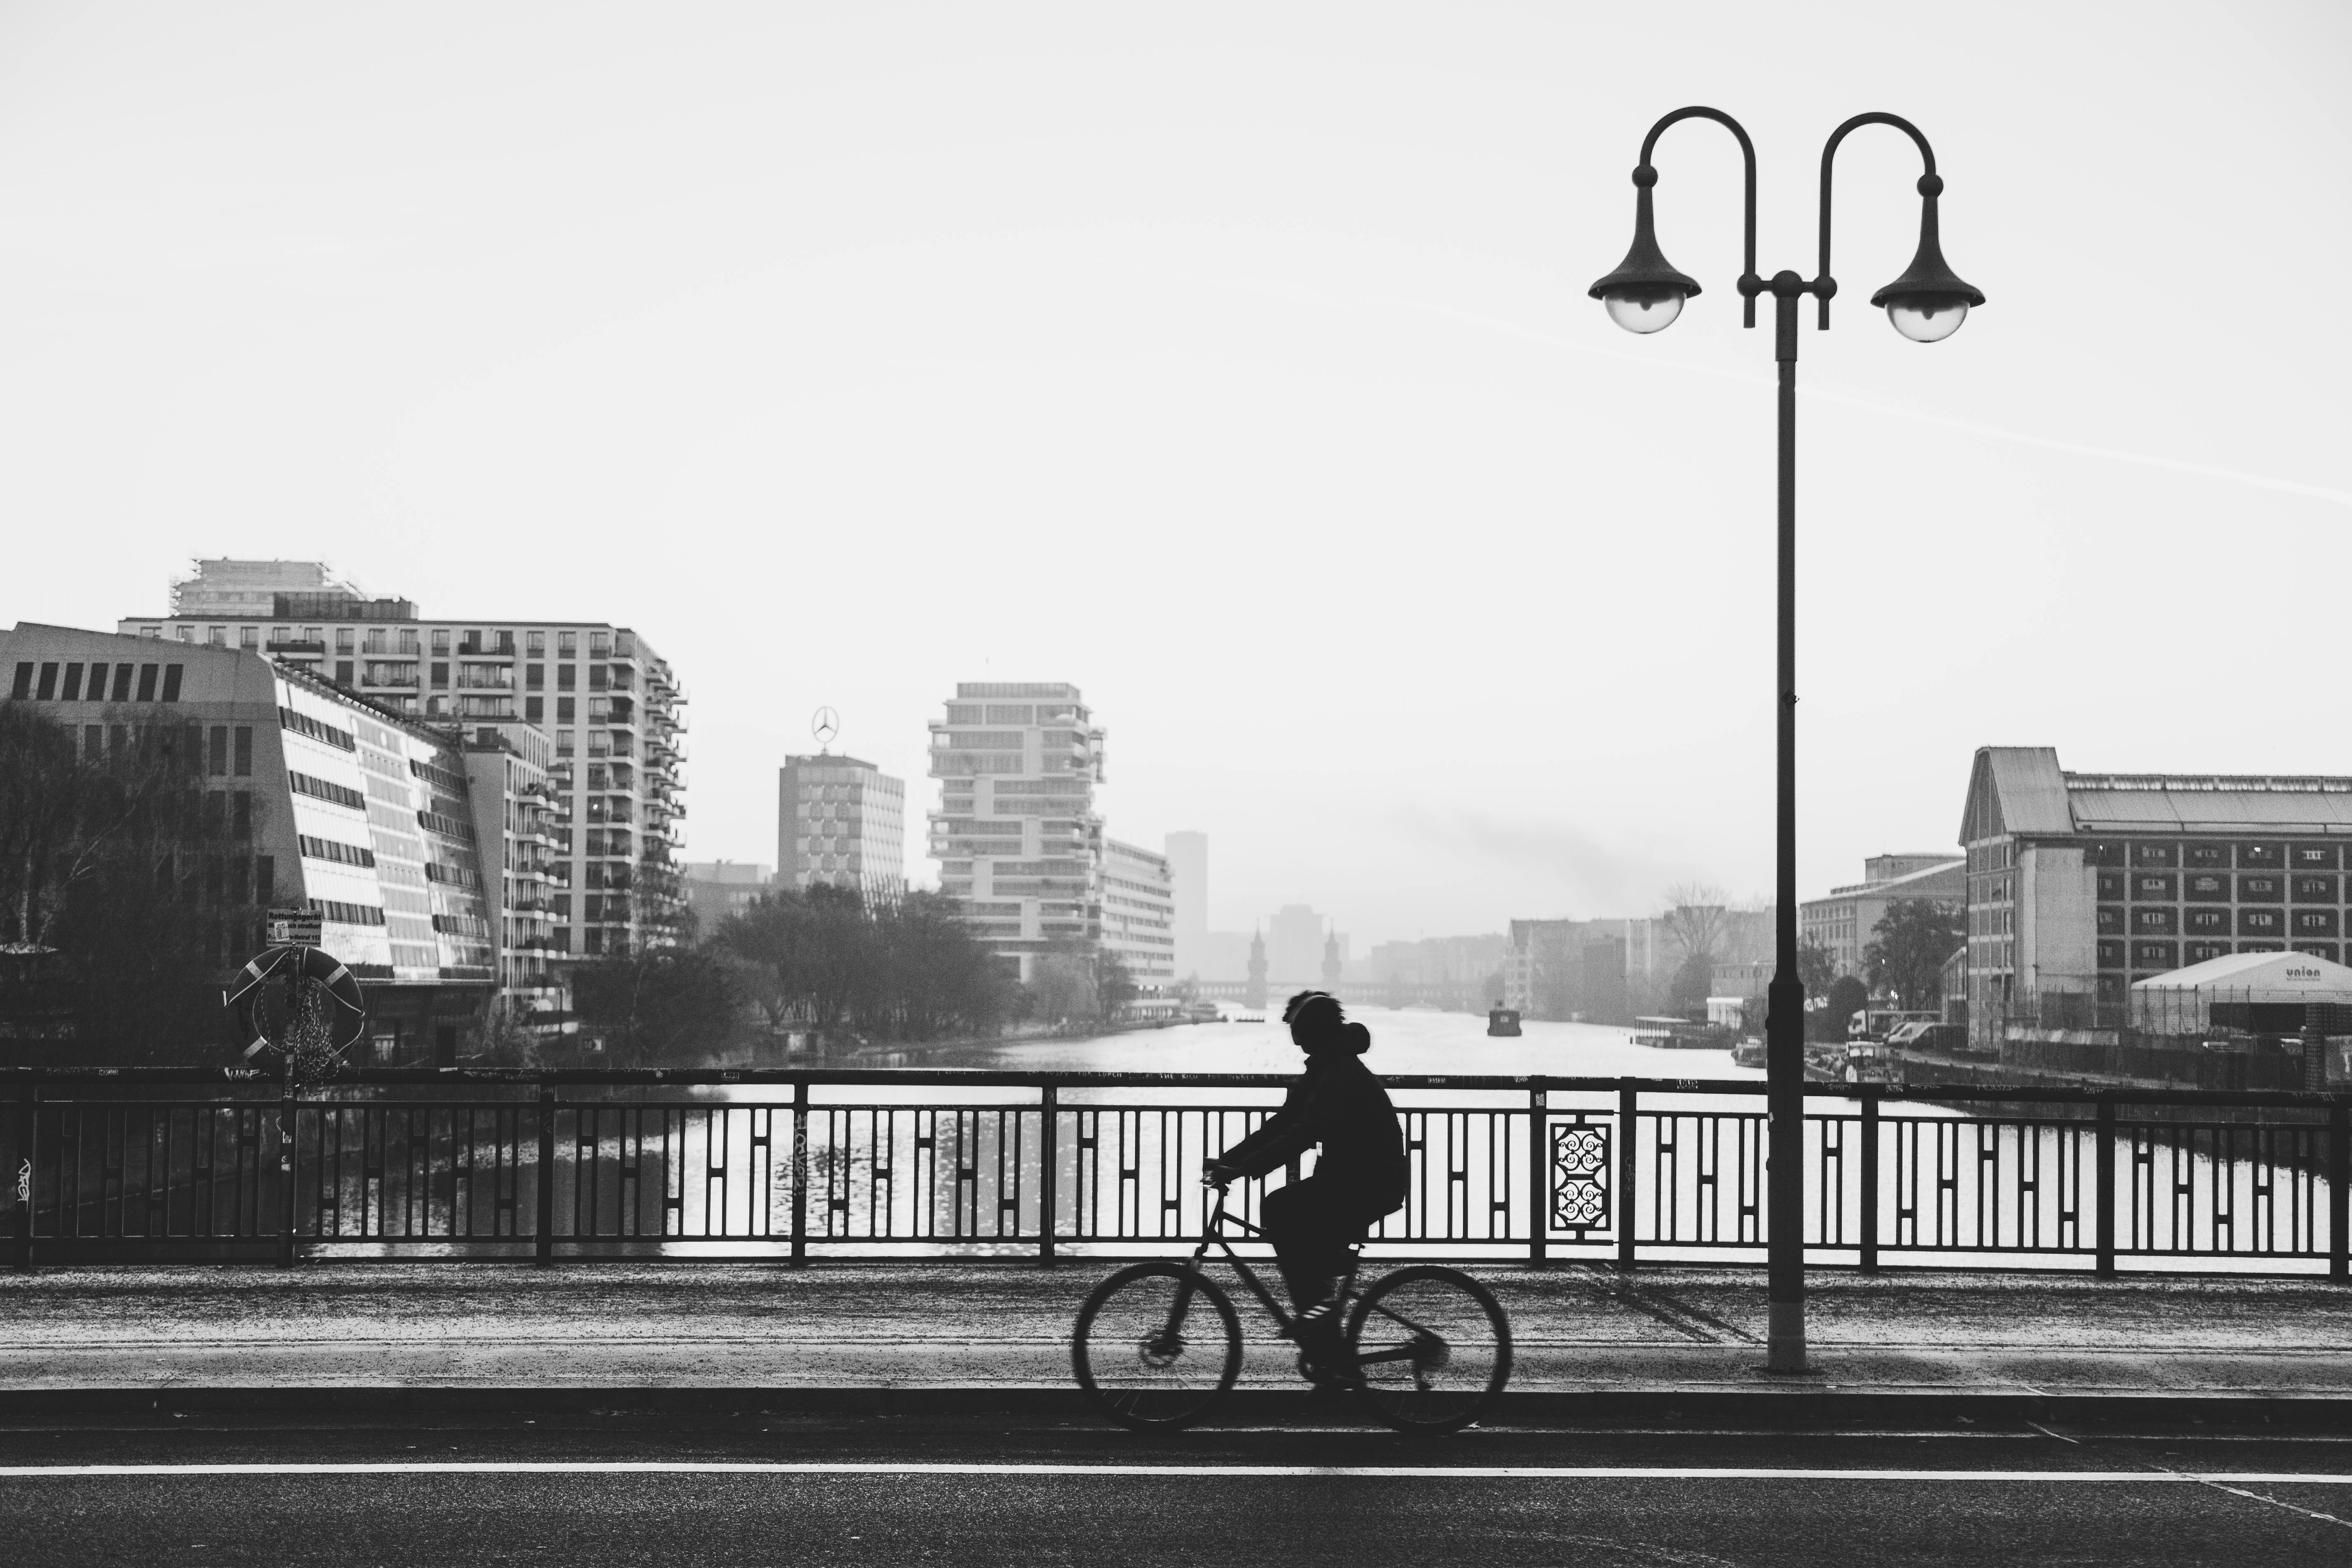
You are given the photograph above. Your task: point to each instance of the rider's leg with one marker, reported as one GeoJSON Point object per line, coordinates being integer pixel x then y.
{"type": "Point", "coordinates": [1311, 1237]}
{"type": "Point", "coordinates": [1310, 1242]}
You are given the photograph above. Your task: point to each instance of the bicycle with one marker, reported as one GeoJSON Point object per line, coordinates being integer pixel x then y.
{"type": "Point", "coordinates": [1439, 1351]}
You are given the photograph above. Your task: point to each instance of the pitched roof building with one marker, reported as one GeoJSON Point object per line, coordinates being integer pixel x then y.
{"type": "Point", "coordinates": [2081, 884]}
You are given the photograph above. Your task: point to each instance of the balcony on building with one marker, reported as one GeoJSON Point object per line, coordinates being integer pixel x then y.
{"type": "Point", "coordinates": [399, 673]}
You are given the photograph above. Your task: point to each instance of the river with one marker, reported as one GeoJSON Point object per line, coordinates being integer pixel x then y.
{"type": "Point", "coordinates": [1404, 1040]}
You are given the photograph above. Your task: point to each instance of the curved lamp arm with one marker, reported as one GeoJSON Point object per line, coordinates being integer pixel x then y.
{"type": "Point", "coordinates": [1749, 284]}
{"type": "Point", "coordinates": [1824, 285]}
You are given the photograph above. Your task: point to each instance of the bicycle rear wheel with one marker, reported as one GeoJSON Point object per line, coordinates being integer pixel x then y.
{"type": "Point", "coordinates": [1433, 1347]}
{"type": "Point", "coordinates": [1156, 1346]}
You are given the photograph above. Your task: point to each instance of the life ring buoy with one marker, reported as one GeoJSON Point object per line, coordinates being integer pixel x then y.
{"type": "Point", "coordinates": [244, 998]}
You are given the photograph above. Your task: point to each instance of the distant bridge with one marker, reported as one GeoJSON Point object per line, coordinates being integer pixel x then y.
{"type": "Point", "coordinates": [1454, 997]}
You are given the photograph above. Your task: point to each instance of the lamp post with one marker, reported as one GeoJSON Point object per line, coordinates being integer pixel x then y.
{"type": "Point", "coordinates": [1927, 304]}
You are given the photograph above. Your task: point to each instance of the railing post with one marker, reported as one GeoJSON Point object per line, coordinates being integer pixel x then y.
{"type": "Point", "coordinates": [2339, 1189]}
{"type": "Point", "coordinates": [27, 1120]}
{"type": "Point", "coordinates": [287, 1138]}
{"type": "Point", "coordinates": [543, 1241]}
{"type": "Point", "coordinates": [800, 1174]}
{"type": "Point", "coordinates": [1538, 1181]}
{"type": "Point", "coordinates": [1629, 1104]}
{"type": "Point", "coordinates": [1049, 1112]}
{"type": "Point", "coordinates": [1868, 1197]}
{"type": "Point", "coordinates": [2105, 1265]}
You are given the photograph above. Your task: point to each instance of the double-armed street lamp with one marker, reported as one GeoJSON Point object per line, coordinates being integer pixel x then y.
{"type": "Point", "coordinates": [1927, 304]}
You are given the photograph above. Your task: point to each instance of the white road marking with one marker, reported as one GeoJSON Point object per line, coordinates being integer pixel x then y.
{"type": "Point", "coordinates": [1413, 1472]}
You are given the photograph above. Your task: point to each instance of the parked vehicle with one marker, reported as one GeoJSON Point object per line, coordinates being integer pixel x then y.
{"type": "Point", "coordinates": [1921, 1035]}
{"type": "Point", "coordinates": [1877, 1023]}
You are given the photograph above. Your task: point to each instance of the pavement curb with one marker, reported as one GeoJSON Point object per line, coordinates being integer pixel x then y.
{"type": "Point", "coordinates": [1794, 1408]}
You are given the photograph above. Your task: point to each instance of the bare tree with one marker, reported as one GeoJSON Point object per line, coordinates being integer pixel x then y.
{"type": "Point", "coordinates": [1697, 918]}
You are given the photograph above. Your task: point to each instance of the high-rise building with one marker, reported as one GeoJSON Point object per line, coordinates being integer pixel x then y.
{"type": "Point", "coordinates": [422, 849]}
{"type": "Point", "coordinates": [841, 823]}
{"type": "Point", "coordinates": [1188, 875]}
{"type": "Point", "coordinates": [1019, 843]}
{"type": "Point", "coordinates": [608, 705]}
{"type": "Point", "coordinates": [1293, 946]}
{"type": "Point", "coordinates": [1139, 920]}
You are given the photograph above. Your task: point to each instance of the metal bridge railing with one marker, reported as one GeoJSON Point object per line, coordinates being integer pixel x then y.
{"type": "Point", "coordinates": [163, 1164]}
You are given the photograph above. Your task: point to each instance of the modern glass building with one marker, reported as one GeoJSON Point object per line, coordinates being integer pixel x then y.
{"type": "Point", "coordinates": [1019, 842]}
{"type": "Point", "coordinates": [609, 707]}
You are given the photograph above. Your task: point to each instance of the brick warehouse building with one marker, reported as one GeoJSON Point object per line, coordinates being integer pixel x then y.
{"type": "Point", "coordinates": [2081, 884]}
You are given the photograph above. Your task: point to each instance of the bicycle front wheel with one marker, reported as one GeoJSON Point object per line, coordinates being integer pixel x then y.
{"type": "Point", "coordinates": [1157, 1345]}
{"type": "Point", "coordinates": [1433, 1347]}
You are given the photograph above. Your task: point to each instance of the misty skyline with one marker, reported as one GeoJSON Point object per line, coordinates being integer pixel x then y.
{"type": "Point", "coordinates": [1237, 368]}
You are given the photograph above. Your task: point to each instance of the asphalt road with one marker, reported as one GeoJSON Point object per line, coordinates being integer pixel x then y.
{"type": "Point", "coordinates": [885, 1490]}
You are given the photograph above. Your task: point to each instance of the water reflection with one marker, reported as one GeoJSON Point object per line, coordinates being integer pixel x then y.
{"type": "Point", "coordinates": [1404, 1040]}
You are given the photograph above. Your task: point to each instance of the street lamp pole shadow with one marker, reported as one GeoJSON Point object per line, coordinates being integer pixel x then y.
{"type": "Point", "coordinates": [1927, 304]}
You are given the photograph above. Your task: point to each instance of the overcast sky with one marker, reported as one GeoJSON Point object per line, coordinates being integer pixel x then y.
{"type": "Point", "coordinates": [1233, 363]}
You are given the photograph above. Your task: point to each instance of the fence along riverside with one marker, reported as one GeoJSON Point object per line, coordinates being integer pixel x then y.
{"type": "Point", "coordinates": [160, 1164]}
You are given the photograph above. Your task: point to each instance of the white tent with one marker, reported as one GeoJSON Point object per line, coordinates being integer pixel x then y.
{"type": "Point", "coordinates": [2182, 1001]}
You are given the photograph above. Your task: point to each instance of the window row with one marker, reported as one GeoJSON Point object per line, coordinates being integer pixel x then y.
{"type": "Point", "coordinates": [2267, 923]}
{"type": "Point", "coordinates": [2266, 855]}
{"type": "Point", "coordinates": [41, 682]}
{"type": "Point", "coordinates": [331, 849]}
{"type": "Point", "coordinates": [325, 790]}
{"type": "Point", "coordinates": [2218, 888]}
{"type": "Point", "coordinates": [447, 827]}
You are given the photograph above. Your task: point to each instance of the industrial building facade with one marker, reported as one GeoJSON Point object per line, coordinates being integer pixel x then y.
{"type": "Point", "coordinates": [2080, 885]}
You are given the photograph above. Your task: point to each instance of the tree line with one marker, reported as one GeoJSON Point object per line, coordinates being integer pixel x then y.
{"type": "Point", "coordinates": [832, 964]}
{"type": "Point", "coordinates": [126, 887]}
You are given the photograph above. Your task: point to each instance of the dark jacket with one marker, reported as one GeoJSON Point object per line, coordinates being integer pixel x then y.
{"type": "Point", "coordinates": [1339, 1103]}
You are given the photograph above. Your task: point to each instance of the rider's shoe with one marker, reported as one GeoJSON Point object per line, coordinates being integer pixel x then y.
{"type": "Point", "coordinates": [1324, 1358]}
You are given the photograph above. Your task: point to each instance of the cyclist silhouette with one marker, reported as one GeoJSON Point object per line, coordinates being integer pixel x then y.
{"type": "Point", "coordinates": [1339, 1103]}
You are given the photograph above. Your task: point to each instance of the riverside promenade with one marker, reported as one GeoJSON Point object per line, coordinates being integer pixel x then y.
{"type": "Point", "coordinates": [103, 1342]}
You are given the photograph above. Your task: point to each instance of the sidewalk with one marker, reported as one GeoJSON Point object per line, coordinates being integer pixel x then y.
{"type": "Point", "coordinates": [962, 1334]}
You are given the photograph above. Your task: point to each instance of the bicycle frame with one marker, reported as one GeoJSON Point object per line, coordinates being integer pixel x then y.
{"type": "Point", "coordinates": [1213, 1233]}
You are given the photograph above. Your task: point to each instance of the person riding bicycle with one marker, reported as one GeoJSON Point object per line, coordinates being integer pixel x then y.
{"type": "Point", "coordinates": [1339, 1103]}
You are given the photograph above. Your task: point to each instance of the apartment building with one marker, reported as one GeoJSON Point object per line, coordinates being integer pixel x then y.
{"type": "Point", "coordinates": [841, 823]}
{"type": "Point", "coordinates": [609, 707]}
{"type": "Point", "coordinates": [1139, 920]}
{"type": "Point", "coordinates": [1567, 969]}
{"type": "Point", "coordinates": [515, 804]}
{"type": "Point", "coordinates": [1019, 842]}
{"type": "Point", "coordinates": [420, 849]}
{"type": "Point", "coordinates": [1846, 922]}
